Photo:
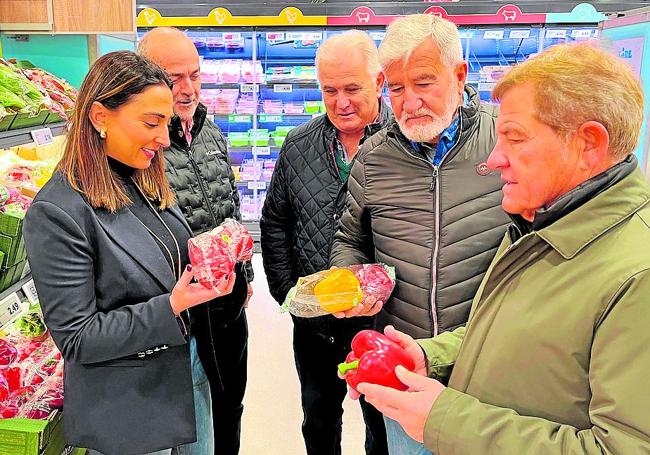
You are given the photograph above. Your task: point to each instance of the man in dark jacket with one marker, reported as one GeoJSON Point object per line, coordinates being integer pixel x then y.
{"type": "Point", "coordinates": [199, 173]}
{"type": "Point", "coordinates": [421, 197]}
{"type": "Point", "coordinates": [303, 205]}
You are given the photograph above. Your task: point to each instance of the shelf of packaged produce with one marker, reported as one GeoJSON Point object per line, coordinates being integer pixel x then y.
{"type": "Point", "coordinates": [249, 149]}
{"type": "Point", "coordinates": [218, 85]}
{"type": "Point", "coordinates": [225, 116]}
{"type": "Point", "coordinates": [21, 136]}
{"type": "Point", "coordinates": [247, 183]}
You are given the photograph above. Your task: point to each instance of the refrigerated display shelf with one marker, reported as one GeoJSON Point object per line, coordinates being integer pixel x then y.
{"type": "Point", "coordinates": [297, 84]}
{"type": "Point", "coordinates": [249, 148]}
{"type": "Point", "coordinates": [22, 136]}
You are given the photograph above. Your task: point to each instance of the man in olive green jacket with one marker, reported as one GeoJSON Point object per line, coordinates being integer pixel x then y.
{"type": "Point", "coordinates": [555, 357]}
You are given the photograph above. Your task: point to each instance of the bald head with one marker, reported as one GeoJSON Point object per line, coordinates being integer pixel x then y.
{"type": "Point", "coordinates": [172, 50]}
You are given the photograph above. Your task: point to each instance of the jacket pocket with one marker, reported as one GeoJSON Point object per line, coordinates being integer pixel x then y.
{"type": "Point", "coordinates": [120, 363]}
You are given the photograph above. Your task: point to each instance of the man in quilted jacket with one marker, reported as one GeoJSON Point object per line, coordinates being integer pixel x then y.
{"type": "Point", "coordinates": [199, 173]}
{"type": "Point", "coordinates": [299, 218]}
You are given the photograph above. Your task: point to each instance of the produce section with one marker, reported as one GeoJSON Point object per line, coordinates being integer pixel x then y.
{"type": "Point", "coordinates": [31, 96]}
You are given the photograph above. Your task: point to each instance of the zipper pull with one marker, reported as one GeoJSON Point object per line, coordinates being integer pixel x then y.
{"type": "Point", "coordinates": [434, 179]}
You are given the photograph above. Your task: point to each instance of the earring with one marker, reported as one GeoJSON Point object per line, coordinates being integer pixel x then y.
{"type": "Point", "coordinates": [102, 133]}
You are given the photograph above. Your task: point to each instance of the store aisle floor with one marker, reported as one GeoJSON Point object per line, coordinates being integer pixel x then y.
{"type": "Point", "coordinates": [272, 411]}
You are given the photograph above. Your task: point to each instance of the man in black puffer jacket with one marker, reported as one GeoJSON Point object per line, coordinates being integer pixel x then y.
{"type": "Point", "coordinates": [304, 202]}
{"type": "Point", "coordinates": [199, 173]}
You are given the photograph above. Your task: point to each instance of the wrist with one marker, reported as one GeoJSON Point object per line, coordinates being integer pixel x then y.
{"type": "Point", "coordinates": [176, 308]}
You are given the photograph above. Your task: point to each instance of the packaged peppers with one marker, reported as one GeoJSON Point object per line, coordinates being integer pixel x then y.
{"type": "Point", "coordinates": [339, 289]}
{"type": "Point", "coordinates": [373, 360]}
{"type": "Point", "coordinates": [214, 254]}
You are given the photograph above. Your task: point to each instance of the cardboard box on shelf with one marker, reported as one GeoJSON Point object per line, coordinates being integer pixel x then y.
{"type": "Point", "coordinates": [32, 437]}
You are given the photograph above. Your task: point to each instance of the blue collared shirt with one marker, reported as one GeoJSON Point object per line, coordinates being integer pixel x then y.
{"type": "Point", "coordinates": [446, 141]}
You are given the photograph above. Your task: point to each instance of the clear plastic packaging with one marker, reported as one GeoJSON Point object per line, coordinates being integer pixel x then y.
{"type": "Point", "coordinates": [214, 254]}
{"type": "Point", "coordinates": [339, 289]}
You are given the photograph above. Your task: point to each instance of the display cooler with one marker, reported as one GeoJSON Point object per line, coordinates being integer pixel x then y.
{"type": "Point", "coordinates": [259, 79]}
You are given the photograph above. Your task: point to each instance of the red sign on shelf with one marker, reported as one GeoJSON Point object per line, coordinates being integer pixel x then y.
{"type": "Point", "coordinates": [507, 14]}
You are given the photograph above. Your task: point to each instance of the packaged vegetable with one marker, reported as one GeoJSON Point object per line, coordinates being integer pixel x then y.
{"type": "Point", "coordinates": [8, 353]}
{"type": "Point", "coordinates": [339, 289]}
{"type": "Point", "coordinates": [31, 326]}
{"type": "Point", "coordinates": [214, 254]}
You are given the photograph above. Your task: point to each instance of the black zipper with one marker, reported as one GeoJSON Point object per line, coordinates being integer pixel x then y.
{"type": "Point", "coordinates": [204, 192]}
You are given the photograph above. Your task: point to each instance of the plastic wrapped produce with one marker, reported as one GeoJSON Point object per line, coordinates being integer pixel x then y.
{"type": "Point", "coordinates": [339, 289]}
{"type": "Point", "coordinates": [214, 254]}
{"type": "Point", "coordinates": [31, 326]}
{"type": "Point", "coordinates": [8, 353]}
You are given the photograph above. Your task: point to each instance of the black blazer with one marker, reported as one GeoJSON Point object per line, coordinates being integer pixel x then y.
{"type": "Point", "coordinates": [104, 288]}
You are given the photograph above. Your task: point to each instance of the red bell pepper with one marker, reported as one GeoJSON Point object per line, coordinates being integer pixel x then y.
{"type": "Point", "coordinates": [373, 360]}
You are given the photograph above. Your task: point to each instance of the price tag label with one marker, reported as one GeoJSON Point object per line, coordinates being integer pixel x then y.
{"type": "Point", "coordinates": [493, 34]}
{"type": "Point", "coordinates": [267, 118]}
{"type": "Point", "coordinates": [282, 88]}
{"type": "Point", "coordinates": [10, 308]}
{"type": "Point", "coordinates": [465, 34]}
{"type": "Point", "coordinates": [556, 33]}
{"type": "Point", "coordinates": [30, 291]}
{"type": "Point", "coordinates": [249, 88]}
{"type": "Point", "coordinates": [232, 118]}
{"type": "Point", "coordinates": [304, 36]}
{"type": "Point", "coordinates": [259, 151]}
{"type": "Point", "coordinates": [231, 36]}
{"type": "Point", "coordinates": [42, 136]}
{"type": "Point", "coordinates": [519, 34]}
{"type": "Point", "coordinates": [581, 33]}
{"type": "Point", "coordinates": [256, 185]}
{"type": "Point", "coordinates": [486, 86]}
{"type": "Point", "coordinates": [377, 36]}
{"type": "Point", "coordinates": [275, 36]}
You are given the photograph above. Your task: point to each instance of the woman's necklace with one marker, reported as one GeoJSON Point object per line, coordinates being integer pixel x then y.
{"type": "Point", "coordinates": [176, 268]}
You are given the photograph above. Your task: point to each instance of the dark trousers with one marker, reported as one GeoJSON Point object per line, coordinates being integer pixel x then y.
{"type": "Point", "coordinates": [224, 358]}
{"type": "Point", "coordinates": [317, 356]}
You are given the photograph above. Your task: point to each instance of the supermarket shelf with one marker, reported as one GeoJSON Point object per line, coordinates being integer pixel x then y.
{"type": "Point", "coordinates": [225, 116]}
{"type": "Point", "coordinates": [254, 229]}
{"type": "Point", "coordinates": [17, 287]}
{"type": "Point", "coordinates": [297, 84]}
{"type": "Point", "coordinates": [217, 85]}
{"type": "Point", "coordinates": [13, 138]}
{"type": "Point", "coordinates": [249, 149]}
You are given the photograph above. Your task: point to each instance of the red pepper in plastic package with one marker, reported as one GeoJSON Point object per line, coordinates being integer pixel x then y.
{"type": "Point", "coordinates": [373, 360]}
{"type": "Point", "coordinates": [8, 353]}
{"type": "Point", "coordinates": [339, 289]}
{"type": "Point", "coordinates": [214, 254]}
{"type": "Point", "coordinates": [4, 387]}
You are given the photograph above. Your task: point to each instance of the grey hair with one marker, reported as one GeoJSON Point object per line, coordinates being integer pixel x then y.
{"type": "Point", "coordinates": [407, 33]}
{"type": "Point", "coordinates": [355, 39]}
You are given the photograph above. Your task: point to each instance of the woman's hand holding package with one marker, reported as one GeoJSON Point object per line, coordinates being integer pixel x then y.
{"type": "Point", "coordinates": [186, 294]}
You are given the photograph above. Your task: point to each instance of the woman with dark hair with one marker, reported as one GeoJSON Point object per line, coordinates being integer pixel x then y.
{"type": "Point", "coordinates": [108, 253]}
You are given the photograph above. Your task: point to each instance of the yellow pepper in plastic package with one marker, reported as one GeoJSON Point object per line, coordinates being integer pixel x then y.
{"type": "Point", "coordinates": [339, 291]}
